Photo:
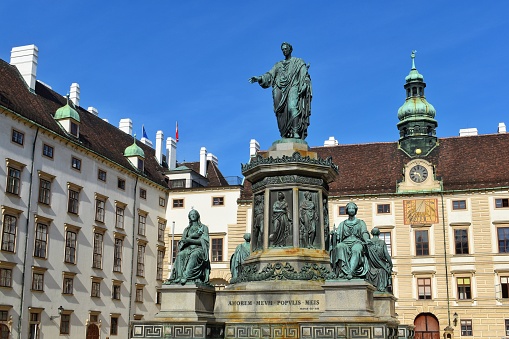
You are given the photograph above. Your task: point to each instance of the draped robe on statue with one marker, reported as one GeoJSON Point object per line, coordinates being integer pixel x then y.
{"type": "Point", "coordinates": [192, 262]}
{"type": "Point", "coordinates": [291, 91]}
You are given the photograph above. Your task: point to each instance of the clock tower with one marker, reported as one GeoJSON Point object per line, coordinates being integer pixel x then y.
{"type": "Point", "coordinates": [417, 126]}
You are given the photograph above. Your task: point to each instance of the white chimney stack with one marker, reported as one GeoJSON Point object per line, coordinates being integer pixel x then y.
{"type": "Point", "coordinates": [465, 132]}
{"type": "Point", "coordinates": [159, 146]}
{"type": "Point", "coordinates": [93, 110]}
{"type": "Point", "coordinates": [254, 147]}
{"type": "Point", "coordinates": [203, 161]}
{"type": "Point", "coordinates": [25, 60]}
{"type": "Point", "coordinates": [501, 128]}
{"type": "Point", "coordinates": [171, 153]}
{"type": "Point", "coordinates": [126, 126]}
{"type": "Point", "coordinates": [331, 142]}
{"type": "Point", "coordinates": [212, 158]}
{"type": "Point", "coordinates": [74, 94]}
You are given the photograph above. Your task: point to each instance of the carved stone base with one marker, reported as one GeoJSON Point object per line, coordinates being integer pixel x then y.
{"type": "Point", "coordinates": [186, 303]}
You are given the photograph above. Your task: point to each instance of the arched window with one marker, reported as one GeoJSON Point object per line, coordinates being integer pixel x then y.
{"type": "Point", "coordinates": [4, 331]}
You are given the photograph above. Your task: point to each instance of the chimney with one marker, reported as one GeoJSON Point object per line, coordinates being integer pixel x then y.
{"type": "Point", "coordinates": [203, 161]}
{"type": "Point", "coordinates": [254, 147]}
{"type": "Point", "coordinates": [74, 94]}
{"type": "Point", "coordinates": [159, 146]}
{"type": "Point", "coordinates": [211, 157]}
{"type": "Point", "coordinates": [331, 142]}
{"type": "Point", "coordinates": [501, 128]}
{"type": "Point", "coordinates": [171, 153]}
{"type": "Point", "coordinates": [93, 110]}
{"type": "Point", "coordinates": [126, 126]}
{"type": "Point", "coordinates": [466, 132]}
{"type": "Point", "coordinates": [25, 60]}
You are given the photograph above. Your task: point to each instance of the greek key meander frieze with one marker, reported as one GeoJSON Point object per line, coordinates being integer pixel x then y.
{"type": "Point", "coordinates": [288, 179]}
{"type": "Point", "coordinates": [295, 158]}
{"type": "Point", "coordinates": [168, 331]}
{"type": "Point", "coordinates": [279, 271]}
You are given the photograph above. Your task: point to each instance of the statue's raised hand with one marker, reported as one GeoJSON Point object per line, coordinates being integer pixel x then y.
{"type": "Point", "coordinates": [254, 79]}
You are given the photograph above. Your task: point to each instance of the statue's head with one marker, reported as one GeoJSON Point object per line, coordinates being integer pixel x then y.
{"type": "Point", "coordinates": [287, 44]}
{"type": "Point", "coordinates": [247, 237]}
{"type": "Point", "coordinates": [375, 231]}
{"type": "Point", "coordinates": [193, 215]}
{"type": "Point", "coordinates": [280, 196]}
{"type": "Point", "coordinates": [353, 205]}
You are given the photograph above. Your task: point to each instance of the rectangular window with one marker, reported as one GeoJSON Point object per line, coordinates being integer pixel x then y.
{"type": "Point", "coordinates": [34, 325]}
{"type": "Point", "coordinates": [13, 180]}
{"type": "Point", "coordinates": [121, 184]}
{"type": "Point", "coordinates": [464, 289]}
{"type": "Point", "coordinates": [41, 240]}
{"type": "Point", "coordinates": [161, 226]}
{"type": "Point", "coordinates": [217, 201]}
{"type": "Point", "coordinates": [114, 325]}
{"type": "Point", "coordinates": [178, 183]}
{"type": "Point", "coordinates": [501, 203]}
{"type": "Point", "coordinates": [101, 175]}
{"type": "Point", "coordinates": [178, 203]}
{"type": "Point", "coordinates": [74, 129]}
{"type": "Point", "coordinates": [421, 242]}
{"type": "Point", "coordinates": [507, 327]}
{"type": "Point", "coordinates": [342, 210]}
{"type": "Point", "coordinates": [174, 250]}
{"type": "Point", "coordinates": [9, 233]}
{"type": "Point", "coordinates": [98, 250]}
{"type": "Point", "coordinates": [459, 205]}
{"type": "Point", "coordinates": [99, 210]}
{"type": "Point", "coordinates": [424, 288]}
{"type": "Point", "coordinates": [38, 281]}
{"type": "Point", "coordinates": [44, 191]}
{"type": "Point", "coordinates": [115, 292]}
{"type": "Point", "coordinates": [504, 286]}
{"type": "Point", "coordinates": [139, 294]}
{"type": "Point", "coordinates": [466, 327]}
{"type": "Point", "coordinates": [159, 297]}
{"type": "Point", "coordinates": [65, 324]}
{"type": "Point", "coordinates": [383, 208]}
{"type": "Point", "coordinates": [162, 201]}
{"type": "Point", "coordinates": [140, 268]}
{"type": "Point", "coordinates": [18, 137]}
{"type": "Point", "coordinates": [142, 224]}
{"type": "Point", "coordinates": [70, 247]}
{"type": "Point", "coordinates": [217, 249]}
{"type": "Point", "coordinates": [67, 285]}
{"type": "Point", "coordinates": [76, 163]}
{"type": "Point", "coordinates": [117, 255]}
{"type": "Point", "coordinates": [47, 151]}
{"type": "Point", "coordinates": [160, 260]}
{"type": "Point", "coordinates": [143, 193]}
{"type": "Point", "coordinates": [503, 239]}
{"type": "Point", "coordinates": [461, 241]}
{"type": "Point", "coordinates": [5, 277]}
{"type": "Point", "coordinates": [386, 236]}
{"type": "Point", "coordinates": [4, 316]}
{"type": "Point", "coordinates": [140, 164]}
{"type": "Point", "coordinates": [73, 205]}
{"type": "Point", "coordinates": [96, 289]}
{"type": "Point", "coordinates": [119, 222]}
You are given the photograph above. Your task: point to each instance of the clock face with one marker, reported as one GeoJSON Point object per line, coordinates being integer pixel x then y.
{"type": "Point", "coordinates": [423, 211]}
{"type": "Point", "coordinates": [418, 173]}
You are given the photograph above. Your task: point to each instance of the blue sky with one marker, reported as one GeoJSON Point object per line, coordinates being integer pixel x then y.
{"type": "Point", "coordinates": [158, 62]}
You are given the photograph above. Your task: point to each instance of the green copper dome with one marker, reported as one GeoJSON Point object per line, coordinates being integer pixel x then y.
{"type": "Point", "coordinates": [416, 107]}
{"type": "Point", "coordinates": [134, 150]}
{"type": "Point", "coordinates": [67, 112]}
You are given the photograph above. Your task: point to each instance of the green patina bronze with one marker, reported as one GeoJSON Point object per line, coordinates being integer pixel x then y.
{"type": "Point", "coordinates": [282, 271]}
{"type": "Point", "coordinates": [295, 158]}
{"type": "Point", "coordinates": [242, 251]}
{"type": "Point", "coordinates": [292, 93]}
{"type": "Point", "coordinates": [380, 263]}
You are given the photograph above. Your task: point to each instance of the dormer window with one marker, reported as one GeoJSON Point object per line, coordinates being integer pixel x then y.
{"type": "Point", "coordinates": [135, 155]}
{"type": "Point", "coordinates": [74, 129]}
{"type": "Point", "coordinates": [141, 164]}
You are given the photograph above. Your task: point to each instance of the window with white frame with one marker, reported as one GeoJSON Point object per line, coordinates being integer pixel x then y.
{"type": "Point", "coordinates": [142, 223]}
{"type": "Point", "coordinates": [41, 240]}
{"type": "Point", "coordinates": [71, 236]}
{"type": "Point", "coordinates": [117, 255]}
{"type": "Point", "coordinates": [424, 288]}
{"type": "Point", "coordinates": [100, 207]}
{"type": "Point", "coordinates": [9, 231]}
{"type": "Point", "coordinates": [98, 250]}
{"type": "Point", "coordinates": [140, 268]}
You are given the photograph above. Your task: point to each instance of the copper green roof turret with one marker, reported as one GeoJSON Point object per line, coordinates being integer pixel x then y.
{"type": "Point", "coordinates": [67, 112]}
{"type": "Point", "coordinates": [417, 126]}
{"type": "Point", "coordinates": [134, 150]}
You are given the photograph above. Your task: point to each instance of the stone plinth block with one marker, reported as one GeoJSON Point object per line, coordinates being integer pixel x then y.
{"type": "Point", "coordinates": [385, 305]}
{"type": "Point", "coordinates": [348, 300]}
{"type": "Point", "coordinates": [186, 303]}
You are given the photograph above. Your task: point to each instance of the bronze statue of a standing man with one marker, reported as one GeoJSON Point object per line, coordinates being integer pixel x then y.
{"type": "Point", "coordinates": [291, 91]}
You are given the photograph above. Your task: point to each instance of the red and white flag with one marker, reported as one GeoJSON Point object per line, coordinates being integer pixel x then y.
{"type": "Point", "coordinates": [177, 131]}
